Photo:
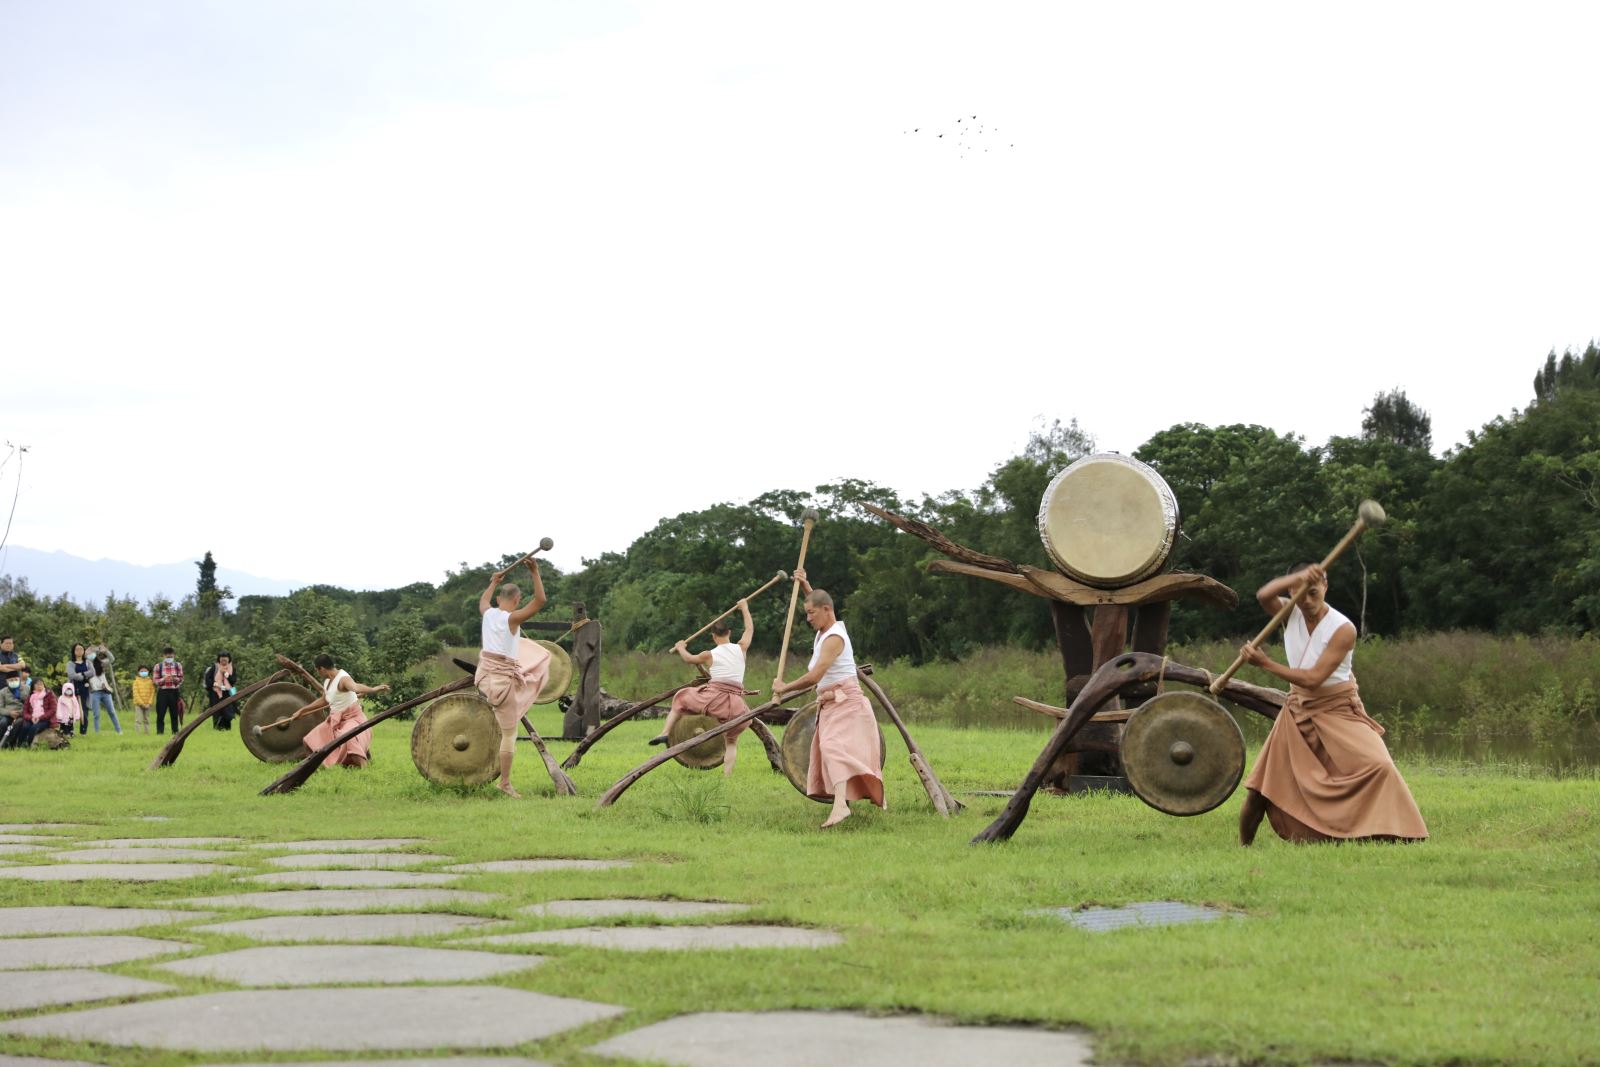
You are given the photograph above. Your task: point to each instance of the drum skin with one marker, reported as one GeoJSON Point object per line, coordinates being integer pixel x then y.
{"type": "Point", "coordinates": [1108, 520]}
{"type": "Point", "coordinates": [278, 744]}
{"type": "Point", "coordinates": [1182, 753]}
{"type": "Point", "coordinates": [456, 740]}
{"type": "Point", "coordinates": [796, 746]}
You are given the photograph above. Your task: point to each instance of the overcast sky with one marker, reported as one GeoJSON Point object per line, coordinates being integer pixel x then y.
{"type": "Point", "coordinates": [351, 292]}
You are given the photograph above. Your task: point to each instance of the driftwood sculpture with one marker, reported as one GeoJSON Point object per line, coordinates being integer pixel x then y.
{"type": "Point", "coordinates": [170, 751]}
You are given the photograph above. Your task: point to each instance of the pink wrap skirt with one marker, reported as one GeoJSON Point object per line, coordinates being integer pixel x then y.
{"type": "Point", "coordinates": [844, 750]}
{"type": "Point", "coordinates": [509, 685]}
{"type": "Point", "coordinates": [720, 700]}
{"type": "Point", "coordinates": [335, 724]}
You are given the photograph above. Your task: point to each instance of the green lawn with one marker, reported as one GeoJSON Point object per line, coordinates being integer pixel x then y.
{"type": "Point", "coordinates": [1479, 946]}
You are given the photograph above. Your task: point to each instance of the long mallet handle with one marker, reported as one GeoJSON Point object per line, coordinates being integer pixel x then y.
{"type": "Point", "coordinates": [261, 728]}
{"type": "Point", "coordinates": [810, 518]}
{"type": "Point", "coordinates": [545, 545]}
{"type": "Point", "coordinates": [1368, 515]}
{"type": "Point", "coordinates": [774, 580]}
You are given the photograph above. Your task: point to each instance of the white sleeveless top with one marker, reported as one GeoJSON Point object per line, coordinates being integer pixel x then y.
{"type": "Point", "coordinates": [727, 663]}
{"type": "Point", "coordinates": [1304, 649]}
{"type": "Point", "coordinates": [497, 635]}
{"type": "Point", "coordinates": [844, 667]}
{"type": "Point", "coordinates": [338, 699]}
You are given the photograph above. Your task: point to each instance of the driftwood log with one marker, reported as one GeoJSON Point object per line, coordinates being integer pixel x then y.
{"type": "Point", "coordinates": [170, 751]}
{"type": "Point", "coordinates": [943, 802]}
{"type": "Point", "coordinates": [1125, 671]}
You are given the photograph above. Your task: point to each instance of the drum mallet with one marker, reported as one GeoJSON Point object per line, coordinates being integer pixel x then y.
{"type": "Point", "coordinates": [545, 545]}
{"type": "Point", "coordinates": [809, 519]}
{"type": "Point", "coordinates": [1368, 515]}
{"type": "Point", "coordinates": [285, 721]}
{"type": "Point", "coordinates": [774, 580]}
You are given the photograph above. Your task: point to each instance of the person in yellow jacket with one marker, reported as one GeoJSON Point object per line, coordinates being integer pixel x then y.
{"type": "Point", "coordinates": [144, 695]}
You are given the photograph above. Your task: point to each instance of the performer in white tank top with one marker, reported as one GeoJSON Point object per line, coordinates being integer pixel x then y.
{"type": "Point", "coordinates": [722, 694]}
{"type": "Point", "coordinates": [341, 695]}
{"type": "Point", "coordinates": [506, 682]}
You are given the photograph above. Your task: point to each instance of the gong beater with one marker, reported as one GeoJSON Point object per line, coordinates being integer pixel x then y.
{"type": "Point", "coordinates": [707, 754]}
{"type": "Point", "coordinates": [797, 748]}
{"type": "Point", "coordinates": [1182, 753]}
{"type": "Point", "coordinates": [278, 744]}
{"type": "Point", "coordinates": [456, 740]}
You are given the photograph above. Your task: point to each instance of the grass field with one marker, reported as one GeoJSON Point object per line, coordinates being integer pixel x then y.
{"type": "Point", "coordinates": [1480, 946]}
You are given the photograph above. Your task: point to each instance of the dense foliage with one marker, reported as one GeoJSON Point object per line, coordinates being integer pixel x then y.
{"type": "Point", "coordinates": [1501, 534]}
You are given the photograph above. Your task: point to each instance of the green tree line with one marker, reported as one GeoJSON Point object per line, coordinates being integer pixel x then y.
{"type": "Point", "coordinates": [1501, 534]}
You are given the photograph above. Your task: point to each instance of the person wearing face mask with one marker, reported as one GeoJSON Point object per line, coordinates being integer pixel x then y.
{"type": "Point", "coordinates": [1324, 773]}
{"type": "Point", "coordinates": [168, 677]}
{"type": "Point", "coordinates": [144, 695]}
{"type": "Point", "coordinates": [13, 693]}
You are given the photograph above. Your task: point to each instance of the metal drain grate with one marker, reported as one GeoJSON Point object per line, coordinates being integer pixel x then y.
{"type": "Point", "coordinates": [1144, 913]}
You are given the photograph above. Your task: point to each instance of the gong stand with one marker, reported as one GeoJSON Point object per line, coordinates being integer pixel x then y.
{"type": "Point", "coordinates": [1093, 627]}
{"type": "Point", "coordinates": [170, 751]}
{"type": "Point", "coordinates": [1126, 672]}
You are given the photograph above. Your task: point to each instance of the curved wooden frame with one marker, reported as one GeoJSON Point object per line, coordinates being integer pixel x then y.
{"type": "Point", "coordinates": [170, 751]}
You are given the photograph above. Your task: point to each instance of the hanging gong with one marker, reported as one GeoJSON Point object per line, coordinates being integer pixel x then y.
{"type": "Point", "coordinates": [278, 744]}
{"type": "Point", "coordinates": [796, 747]}
{"type": "Point", "coordinates": [1182, 753]}
{"type": "Point", "coordinates": [456, 740]}
{"type": "Point", "coordinates": [560, 676]}
{"type": "Point", "coordinates": [705, 755]}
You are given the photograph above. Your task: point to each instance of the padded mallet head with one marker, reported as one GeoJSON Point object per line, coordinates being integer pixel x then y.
{"type": "Point", "coordinates": [809, 516]}
{"type": "Point", "coordinates": [545, 544]}
{"type": "Point", "coordinates": [1371, 513]}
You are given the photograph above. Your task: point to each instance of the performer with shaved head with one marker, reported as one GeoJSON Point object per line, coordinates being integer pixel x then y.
{"type": "Point", "coordinates": [1324, 773]}
{"type": "Point", "coordinates": [722, 695]}
{"type": "Point", "coordinates": [844, 750]}
{"type": "Point", "coordinates": [510, 671]}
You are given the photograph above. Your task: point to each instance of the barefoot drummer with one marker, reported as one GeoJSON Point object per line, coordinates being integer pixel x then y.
{"type": "Point", "coordinates": [510, 676]}
{"type": "Point", "coordinates": [722, 696]}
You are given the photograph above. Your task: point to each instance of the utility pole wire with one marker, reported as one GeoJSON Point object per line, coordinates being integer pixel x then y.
{"type": "Point", "coordinates": [19, 451]}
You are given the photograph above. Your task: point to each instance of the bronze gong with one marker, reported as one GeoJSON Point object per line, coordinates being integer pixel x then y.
{"type": "Point", "coordinates": [278, 744]}
{"type": "Point", "coordinates": [559, 679]}
{"type": "Point", "coordinates": [796, 746]}
{"type": "Point", "coordinates": [456, 740]}
{"type": "Point", "coordinates": [1182, 753]}
{"type": "Point", "coordinates": [705, 755]}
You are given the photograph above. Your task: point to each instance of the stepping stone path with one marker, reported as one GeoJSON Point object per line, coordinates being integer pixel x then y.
{"type": "Point", "coordinates": [676, 938]}
{"type": "Point", "coordinates": [121, 872]}
{"type": "Point", "coordinates": [536, 866]}
{"type": "Point", "coordinates": [806, 1038]}
{"type": "Point", "coordinates": [364, 860]}
{"type": "Point", "coordinates": [317, 965]}
{"type": "Point", "coordinates": [34, 1061]}
{"type": "Point", "coordinates": [1146, 913]}
{"type": "Point", "coordinates": [343, 899]}
{"type": "Point", "coordinates": [346, 927]}
{"type": "Point", "coordinates": [452, 1061]}
{"type": "Point", "coordinates": [349, 879]}
{"type": "Point", "coordinates": [161, 842]}
{"type": "Point", "coordinates": [17, 954]}
{"type": "Point", "coordinates": [69, 919]}
{"type": "Point", "coordinates": [605, 909]}
{"type": "Point", "coordinates": [8, 848]}
{"type": "Point", "coordinates": [43, 989]}
{"type": "Point", "coordinates": [139, 855]}
{"type": "Point", "coordinates": [387, 1019]}
{"type": "Point", "coordinates": [339, 846]}
{"type": "Point", "coordinates": [28, 839]}
{"type": "Point", "coordinates": [152, 818]}
{"type": "Point", "coordinates": [35, 827]}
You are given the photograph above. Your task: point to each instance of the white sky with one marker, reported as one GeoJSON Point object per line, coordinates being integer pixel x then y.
{"type": "Point", "coordinates": [352, 292]}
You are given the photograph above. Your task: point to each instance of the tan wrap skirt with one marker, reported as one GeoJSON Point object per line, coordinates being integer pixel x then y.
{"type": "Point", "coordinates": [335, 724]}
{"type": "Point", "coordinates": [845, 750]}
{"type": "Point", "coordinates": [1327, 774]}
{"type": "Point", "coordinates": [720, 700]}
{"type": "Point", "coordinates": [509, 685]}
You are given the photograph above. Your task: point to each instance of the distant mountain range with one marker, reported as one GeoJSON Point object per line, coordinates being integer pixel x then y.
{"type": "Point", "coordinates": [90, 580]}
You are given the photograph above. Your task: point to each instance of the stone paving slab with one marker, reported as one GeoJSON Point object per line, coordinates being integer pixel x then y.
{"type": "Point", "coordinates": [342, 899]}
{"type": "Point", "coordinates": [35, 827]}
{"type": "Point", "coordinates": [807, 1038]}
{"type": "Point", "coordinates": [121, 872]}
{"type": "Point", "coordinates": [605, 909]}
{"type": "Point", "coordinates": [441, 1061]}
{"type": "Point", "coordinates": [350, 879]}
{"type": "Point", "coordinates": [28, 839]}
{"type": "Point", "coordinates": [160, 842]}
{"type": "Point", "coordinates": [394, 1018]}
{"type": "Point", "coordinates": [8, 848]}
{"type": "Point", "coordinates": [151, 818]}
{"type": "Point", "coordinates": [1143, 913]}
{"type": "Point", "coordinates": [342, 964]}
{"type": "Point", "coordinates": [35, 1061]}
{"type": "Point", "coordinates": [139, 855]}
{"type": "Point", "coordinates": [347, 927]}
{"type": "Point", "coordinates": [536, 866]}
{"type": "Point", "coordinates": [20, 990]}
{"type": "Point", "coordinates": [351, 845]}
{"type": "Point", "coordinates": [373, 861]}
{"type": "Point", "coordinates": [87, 919]}
{"type": "Point", "coordinates": [670, 938]}
{"type": "Point", "coordinates": [20, 953]}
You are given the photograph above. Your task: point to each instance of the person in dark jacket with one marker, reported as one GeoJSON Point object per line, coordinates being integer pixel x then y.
{"type": "Point", "coordinates": [79, 671]}
{"type": "Point", "coordinates": [220, 683]}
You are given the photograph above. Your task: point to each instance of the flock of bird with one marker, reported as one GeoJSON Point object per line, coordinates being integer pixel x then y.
{"type": "Point", "coordinates": [964, 135]}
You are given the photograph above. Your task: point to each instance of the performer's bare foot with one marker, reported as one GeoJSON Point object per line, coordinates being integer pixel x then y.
{"type": "Point", "coordinates": [508, 790]}
{"type": "Point", "coordinates": [1250, 816]}
{"type": "Point", "coordinates": [840, 813]}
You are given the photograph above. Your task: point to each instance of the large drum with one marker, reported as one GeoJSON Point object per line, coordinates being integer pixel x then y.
{"type": "Point", "coordinates": [796, 747]}
{"type": "Point", "coordinates": [456, 740]}
{"type": "Point", "coordinates": [1108, 520]}
{"type": "Point", "coordinates": [278, 744]}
